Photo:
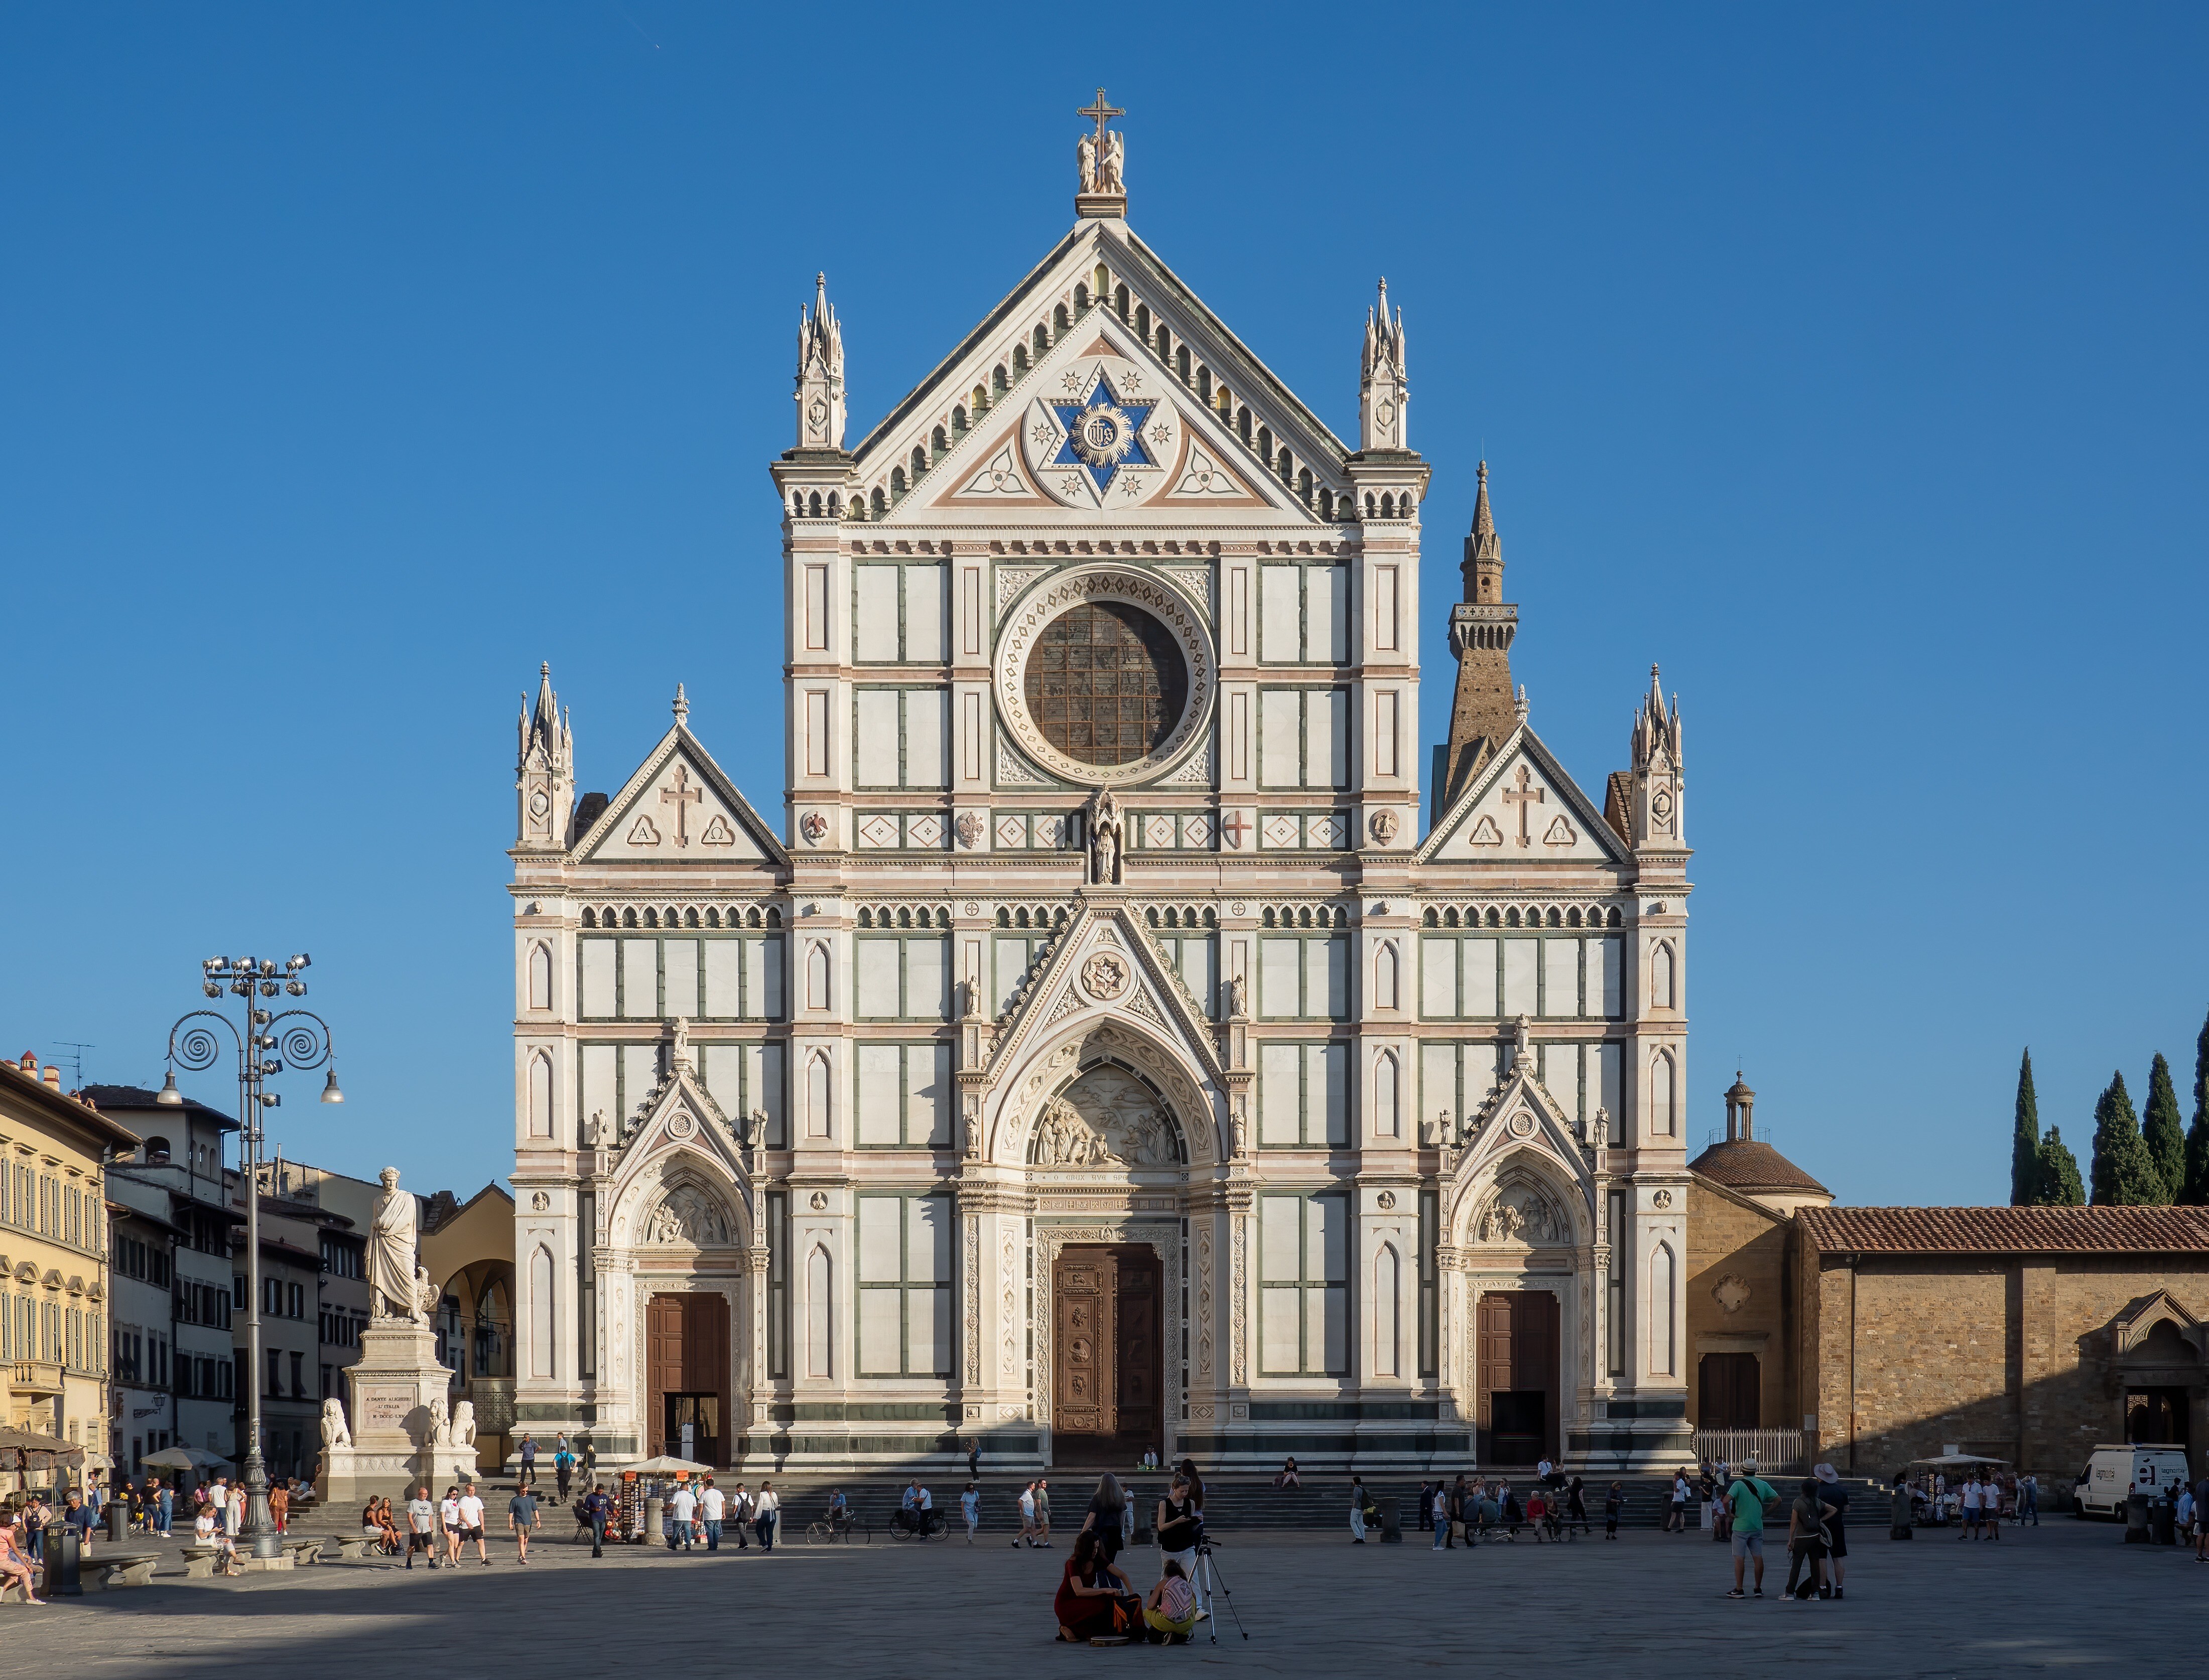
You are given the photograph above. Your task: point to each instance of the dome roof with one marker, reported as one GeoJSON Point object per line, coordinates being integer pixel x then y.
{"type": "Point", "coordinates": [1751, 1165]}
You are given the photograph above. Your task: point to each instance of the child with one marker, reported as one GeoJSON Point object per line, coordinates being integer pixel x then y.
{"type": "Point", "coordinates": [1613, 1502]}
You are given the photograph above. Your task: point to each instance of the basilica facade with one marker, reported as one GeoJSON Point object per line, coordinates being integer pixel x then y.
{"type": "Point", "coordinates": [1122, 1041]}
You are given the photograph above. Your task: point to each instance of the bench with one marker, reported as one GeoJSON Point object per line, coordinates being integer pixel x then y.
{"type": "Point", "coordinates": [352, 1548]}
{"type": "Point", "coordinates": [200, 1562]}
{"type": "Point", "coordinates": [306, 1551]}
{"type": "Point", "coordinates": [126, 1568]}
{"type": "Point", "coordinates": [16, 1585]}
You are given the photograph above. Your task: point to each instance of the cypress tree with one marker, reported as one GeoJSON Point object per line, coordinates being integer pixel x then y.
{"type": "Point", "coordinates": [2166, 1143]}
{"type": "Point", "coordinates": [2025, 1140]}
{"type": "Point", "coordinates": [2123, 1176]}
{"type": "Point", "coordinates": [2058, 1185]}
{"type": "Point", "coordinates": [2196, 1193]}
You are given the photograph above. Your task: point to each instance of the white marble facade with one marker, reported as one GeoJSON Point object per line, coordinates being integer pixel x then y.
{"type": "Point", "coordinates": [1099, 911]}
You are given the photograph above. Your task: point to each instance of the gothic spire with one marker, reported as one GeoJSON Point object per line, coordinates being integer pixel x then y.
{"type": "Point", "coordinates": [1482, 566]}
{"type": "Point", "coordinates": [1383, 390]}
{"type": "Point", "coordinates": [820, 373]}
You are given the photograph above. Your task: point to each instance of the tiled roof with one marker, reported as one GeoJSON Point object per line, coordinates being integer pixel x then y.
{"type": "Point", "coordinates": [136, 1099]}
{"type": "Point", "coordinates": [2007, 1230]}
{"type": "Point", "coordinates": [1753, 1165]}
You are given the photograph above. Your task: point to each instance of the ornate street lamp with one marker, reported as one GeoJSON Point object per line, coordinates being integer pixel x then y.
{"type": "Point", "coordinates": [267, 1046]}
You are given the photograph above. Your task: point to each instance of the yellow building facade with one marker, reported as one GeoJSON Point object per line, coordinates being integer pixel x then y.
{"type": "Point", "coordinates": [53, 1256]}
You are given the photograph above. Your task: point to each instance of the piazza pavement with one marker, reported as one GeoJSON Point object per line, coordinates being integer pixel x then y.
{"type": "Point", "coordinates": [2068, 1596]}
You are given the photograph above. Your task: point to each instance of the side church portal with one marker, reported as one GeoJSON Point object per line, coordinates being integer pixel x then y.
{"type": "Point", "coordinates": [1096, 1056]}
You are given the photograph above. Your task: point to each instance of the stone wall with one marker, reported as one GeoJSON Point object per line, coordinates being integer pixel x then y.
{"type": "Point", "coordinates": [1738, 1261]}
{"type": "Point", "coordinates": [2016, 1357]}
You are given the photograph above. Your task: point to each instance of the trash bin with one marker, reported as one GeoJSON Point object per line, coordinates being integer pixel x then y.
{"type": "Point", "coordinates": [2136, 1530]}
{"type": "Point", "coordinates": [63, 1552]}
{"type": "Point", "coordinates": [118, 1521]}
{"type": "Point", "coordinates": [2162, 1523]}
{"type": "Point", "coordinates": [1391, 1531]}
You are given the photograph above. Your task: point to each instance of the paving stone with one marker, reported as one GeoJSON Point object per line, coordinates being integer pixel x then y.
{"type": "Point", "coordinates": [2068, 1596]}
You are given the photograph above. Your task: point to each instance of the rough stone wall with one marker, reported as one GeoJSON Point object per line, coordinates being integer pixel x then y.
{"type": "Point", "coordinates": [2012, 1356]}
{"type": "Point", "coordinates": [1737, 1253]}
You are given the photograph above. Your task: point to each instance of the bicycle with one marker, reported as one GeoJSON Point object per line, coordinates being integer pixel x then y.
{"type": "Point", "coordinates": [831, 1529]}
{"type": "Point", "coordinates": [919, 1526]}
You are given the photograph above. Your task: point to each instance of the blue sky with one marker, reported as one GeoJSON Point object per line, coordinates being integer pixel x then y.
{"type": "Point", "coordinates": [1848, 362]}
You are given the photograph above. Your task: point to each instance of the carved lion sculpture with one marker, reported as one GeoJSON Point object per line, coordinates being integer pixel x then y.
{"type": "Point", "coordinates": [335, 1432]}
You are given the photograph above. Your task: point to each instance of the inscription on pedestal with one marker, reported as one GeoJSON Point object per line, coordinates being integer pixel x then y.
{"type": "Point", "coordinates": [384, 1409]}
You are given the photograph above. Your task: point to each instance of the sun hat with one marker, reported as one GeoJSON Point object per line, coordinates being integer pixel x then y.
{"type": "Point", "coordinates": [1826, 1473]}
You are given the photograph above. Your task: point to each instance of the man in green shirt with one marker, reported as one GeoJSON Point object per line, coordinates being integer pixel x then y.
{"type": "Point", "coordinates": [1745, 1497]}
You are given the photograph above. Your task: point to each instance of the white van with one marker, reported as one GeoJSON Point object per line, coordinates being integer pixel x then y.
{"type": "Point", "coordinates": [2114, 1473]}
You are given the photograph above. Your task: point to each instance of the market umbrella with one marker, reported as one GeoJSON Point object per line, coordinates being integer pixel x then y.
{"type": "Point", "coordinates": [186, 1458]}
{"type": "Point", "coordinates": [665, 1465]}
{"type": "Point", "coordinates": [33, 1451]}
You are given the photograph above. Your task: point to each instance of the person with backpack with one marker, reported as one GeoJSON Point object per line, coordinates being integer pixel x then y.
{"type": "Point", "coordinates": [1746, 1497]}
{"type": "Point", "coordinates": [1807, 1542]}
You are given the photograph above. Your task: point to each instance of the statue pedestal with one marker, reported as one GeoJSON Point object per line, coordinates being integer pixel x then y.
{"type": "Point", "coordinates": [394, 1449]}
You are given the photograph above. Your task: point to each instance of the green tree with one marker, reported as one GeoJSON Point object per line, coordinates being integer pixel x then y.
{"type": "Point", "coordinates": [2196, 1193]}
{"type": "Point", "coordinates": [2160, 1131]}
{"type": "Point", "coordinates": [2024, 1141]}
{"type": "Point", "coordinates": [2123, 1176]}
{"type": "Point", "coordinates": [2058, 1184]}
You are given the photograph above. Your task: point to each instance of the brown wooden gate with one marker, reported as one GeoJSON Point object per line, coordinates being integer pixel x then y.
{"type": "Point", "coordinates": [1107, 1356]}
{"type": "Point", "coordinates": [686, 1358]}
{"type": "Point", "coordinates": [1732, 1393]}
{"type": "Point", "coordinates": [1517, 1377]}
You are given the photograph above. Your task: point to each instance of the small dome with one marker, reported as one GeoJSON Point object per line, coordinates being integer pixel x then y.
{"type": "Point", "coordinates": [1754, 1167]}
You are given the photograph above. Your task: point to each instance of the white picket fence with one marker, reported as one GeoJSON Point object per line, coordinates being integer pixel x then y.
{"type": "Point", "coordinates": [1771, 1449]}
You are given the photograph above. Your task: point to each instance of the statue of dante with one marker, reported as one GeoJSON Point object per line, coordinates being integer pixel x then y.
{"type": "Point", "coordinates": [391, 1251]}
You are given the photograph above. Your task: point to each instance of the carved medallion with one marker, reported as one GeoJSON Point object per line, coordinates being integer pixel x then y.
{"type": "Point", "coordinates": [814, 827]}
{"type": "Point", "coordinates": [1105, 976]}
{"type": "Point", "coordinates": [1731, 1292]}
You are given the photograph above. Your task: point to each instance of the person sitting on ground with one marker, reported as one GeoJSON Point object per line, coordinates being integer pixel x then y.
{"type": "Point", "coordinates": [1288, 1477]}
{"type": "Point", "coordinates": [1094, 1600]}
{"type": "Point", "coordinates": [1169, 1611]}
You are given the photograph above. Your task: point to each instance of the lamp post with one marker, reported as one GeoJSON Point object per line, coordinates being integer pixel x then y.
{"type": "Point", "coordinates": [266, 1045]}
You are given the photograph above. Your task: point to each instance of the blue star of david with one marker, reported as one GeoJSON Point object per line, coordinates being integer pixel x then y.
{"type": "Point", "coordinates": [1103, 434]}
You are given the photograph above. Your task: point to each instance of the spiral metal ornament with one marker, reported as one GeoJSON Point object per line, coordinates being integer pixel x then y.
{"type": "Point", "coordinates": [197, 1049]}
{"type": "Point", "coordinates": [306, 1041]}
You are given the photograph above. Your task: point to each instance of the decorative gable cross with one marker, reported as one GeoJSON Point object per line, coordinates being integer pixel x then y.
{"type": "Point", "coordinates": [682, 794]}
{"type": "Point", "coordinates": [1100, 113]}
{"type": "Point", "coordinates": [1525, 798]}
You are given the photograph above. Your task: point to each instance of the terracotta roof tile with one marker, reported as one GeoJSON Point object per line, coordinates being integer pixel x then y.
{"type": "Point", "coordinates": [2007, 1230]}
{"type": "Point", "coordinates": [1753, 1165]}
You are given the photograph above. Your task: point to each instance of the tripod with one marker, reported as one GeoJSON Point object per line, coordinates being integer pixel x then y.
{"type": "Point", "coordinates": [1208, 1574]}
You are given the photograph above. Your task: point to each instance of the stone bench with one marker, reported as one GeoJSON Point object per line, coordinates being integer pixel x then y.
{"type": "Point", "coordinates": [16, 1585]}
{"type": "Point", "coordinates": [200, 1562]}
{"type": "Point", "coordinates": [305, 1551]}
{"type": "Point", "coordinates": [352, 1548]}
{"type": "Point", "coordinates": [126, 1568]}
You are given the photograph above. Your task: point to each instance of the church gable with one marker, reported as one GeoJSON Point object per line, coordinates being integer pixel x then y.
{"type": "Point", "coordinates": [679, 808]}
{"type": "Point", "coordinates": [1523, 806]}
{"type": "Point", "coordinates": [1103, 383]}
{"type": "Point", "coordinates": [1105, 963]}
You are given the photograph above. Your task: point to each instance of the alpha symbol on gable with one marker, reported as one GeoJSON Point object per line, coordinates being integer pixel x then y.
{"type": "Point", "coordinates": [644, 834]}
{"type": "Point", "coordinates": [718, 833]}
{"type": "Point", "coordinates": [1485, 832]}
{"type": "Point", "coordinates": [1524, 797]}
{"type": "Point", "coordinates": [1560, 833]}
{"type": "Point", "coordinates": [680, 795]}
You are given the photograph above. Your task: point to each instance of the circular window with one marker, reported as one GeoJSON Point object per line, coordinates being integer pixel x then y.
{"type": "Point", "coordinates": [1105, 675]}
{"type": "Point", "coordinates": [1104, 683]}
